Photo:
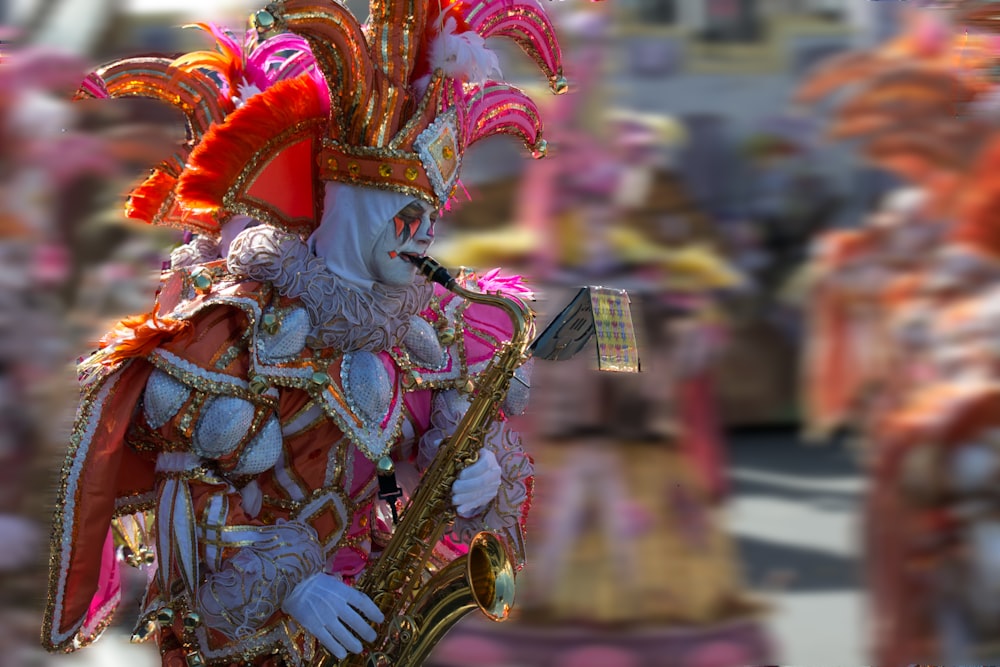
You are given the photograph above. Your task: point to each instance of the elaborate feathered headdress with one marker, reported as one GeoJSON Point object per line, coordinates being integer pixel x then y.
{"type": "Point", "coordinates": [405, 95]}
{"type": "Point", "coordinates": [206, 86]}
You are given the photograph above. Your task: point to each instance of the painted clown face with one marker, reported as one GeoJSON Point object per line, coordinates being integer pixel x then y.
{"type": "Point", "coordinates": [410, 232]}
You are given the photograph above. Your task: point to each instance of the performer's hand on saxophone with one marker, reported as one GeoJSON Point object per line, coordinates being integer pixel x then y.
{"type": "Point", "coordinates": [334, 613]}
{"type": "Point", "coordinates": [477, 485]}
{"type": "Point", "coordinates": [341, 617]}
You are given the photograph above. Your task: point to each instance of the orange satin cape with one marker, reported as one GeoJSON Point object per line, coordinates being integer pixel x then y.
{"type": "Point", "coordinates": [101, 477]}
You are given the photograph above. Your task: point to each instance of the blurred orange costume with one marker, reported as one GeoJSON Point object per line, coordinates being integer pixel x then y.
{"type": "Point", "coordinates": [913, 105]}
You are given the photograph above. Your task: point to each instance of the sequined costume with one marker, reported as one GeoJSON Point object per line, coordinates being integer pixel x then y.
{"type": "Point", "coordinates": [224, 460]}
{"type": "Point", "coordinates": [228, 439]}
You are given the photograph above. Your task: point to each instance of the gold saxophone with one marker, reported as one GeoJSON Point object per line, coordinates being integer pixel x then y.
{"type": "Point", "coordinates": [420, 608]}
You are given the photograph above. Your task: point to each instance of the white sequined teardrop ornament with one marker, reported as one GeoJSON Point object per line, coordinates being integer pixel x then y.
{"type": "Point", "coordinates": [368, 385]}
{"type": "Point", "coordinates": [423, 344]}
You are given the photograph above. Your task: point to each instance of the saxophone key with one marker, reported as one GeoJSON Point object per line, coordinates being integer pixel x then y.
{"type": "Point", "coordinates": [378, 660]}
{"type": "Point", "coordinates": [396, 579]}
{"type": "Point", "coordinates": [402, 630]}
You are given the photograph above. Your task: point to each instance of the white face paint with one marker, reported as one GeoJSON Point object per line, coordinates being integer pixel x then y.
{"type": "Point", "coordinates": [411, 231]}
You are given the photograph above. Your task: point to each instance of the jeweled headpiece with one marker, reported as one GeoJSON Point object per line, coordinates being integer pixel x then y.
{"type": "Point", "coordinates": [206, 86]}
{"type": "Point", "coordinates": [406, 94]}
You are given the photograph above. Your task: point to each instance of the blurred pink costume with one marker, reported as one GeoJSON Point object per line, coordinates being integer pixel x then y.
{"type": "Point", "coordinates": [697, 412]}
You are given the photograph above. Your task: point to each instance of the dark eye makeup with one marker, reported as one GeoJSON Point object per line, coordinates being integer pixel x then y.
{"type": "Point", "coordinates": [408, 220]}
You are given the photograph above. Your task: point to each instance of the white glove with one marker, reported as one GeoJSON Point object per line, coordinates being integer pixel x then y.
{"type": "Point", "coordinates": [477, 485]}
{"type": "Point", "coordinates": [329, 609]}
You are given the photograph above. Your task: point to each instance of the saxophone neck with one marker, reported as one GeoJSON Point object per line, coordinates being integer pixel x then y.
{"type": "Point", "coordinates": [520, 315]}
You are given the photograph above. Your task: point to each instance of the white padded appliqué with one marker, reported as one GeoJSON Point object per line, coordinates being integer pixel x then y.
{"type": "Point", "coordinates": [422, 343]}
{"type": "Point", "coordinates": [369, 386]}
{"type": "Point", "coordinates": [224, 422]}
{"type": "Point", "coordinates": [290, 337]}
{"type": "Point", "coordinates": [263, 451]}
{"type": "Point", "coordinates": [164, 397]}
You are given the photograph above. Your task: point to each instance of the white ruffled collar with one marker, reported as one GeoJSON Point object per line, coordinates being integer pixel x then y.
{"type": "Point", "coordinates": [343, 316]}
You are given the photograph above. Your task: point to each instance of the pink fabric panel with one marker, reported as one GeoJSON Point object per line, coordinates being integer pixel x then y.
{"type": "Point", "coordinates": [109, 584]}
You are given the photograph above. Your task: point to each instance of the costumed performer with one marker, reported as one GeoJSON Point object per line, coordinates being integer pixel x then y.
{"type": "Point", "coordinates": [230, 438]}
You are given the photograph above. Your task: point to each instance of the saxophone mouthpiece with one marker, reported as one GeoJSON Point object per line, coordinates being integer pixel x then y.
{"type": "Point", "coordinates": [430, 269]}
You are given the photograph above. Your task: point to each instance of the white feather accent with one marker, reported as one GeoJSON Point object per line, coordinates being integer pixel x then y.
{"type": "Point", "coordinates": [164, 533]}
{"type": "Point", "coordinates": [253, 498]}
{"type": "Point", "coordinates": [246, 91]}
{"type": "Point", "coordinates": [184, 536]}
{"type": "Point", "coordinates": [463, 56]}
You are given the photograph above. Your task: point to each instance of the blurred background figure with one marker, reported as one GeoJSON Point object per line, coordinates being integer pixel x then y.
{"type": "Point", "coordinates": [902, 347]}
{"type": "Point", "coordinates": [39, 159]}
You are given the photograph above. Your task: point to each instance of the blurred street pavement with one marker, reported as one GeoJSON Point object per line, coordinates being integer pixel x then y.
{"type": "Point", "coordinates": [796, 517]}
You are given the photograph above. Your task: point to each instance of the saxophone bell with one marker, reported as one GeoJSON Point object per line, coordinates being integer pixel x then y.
{"type": "Point", "coordinates": [483, 580]}
{"type": "Point", "coordinates": [491, 576]}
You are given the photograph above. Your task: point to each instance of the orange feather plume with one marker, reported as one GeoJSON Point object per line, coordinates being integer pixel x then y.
{"type": "Point", "coordinates": [947, 413]}
{"type": "Point", "coordinates": [227, 149]}
{"type": "Point", "coordinates": [145, 203]}
{"type": "Point", "coordinates": [919, 144]}
{"type": "Point", "coordinates": [837, 248]}
{"type": "Point", "coordinates": [139, 335]}
{"type": "Point", "coordinates": [903, 290]}
{"type": "Point", "coordinates": [227, 61]}
{"type": "Point", "coordinates": [836, 72]}
{"type": "Point", "coordinates": [832, 371]}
